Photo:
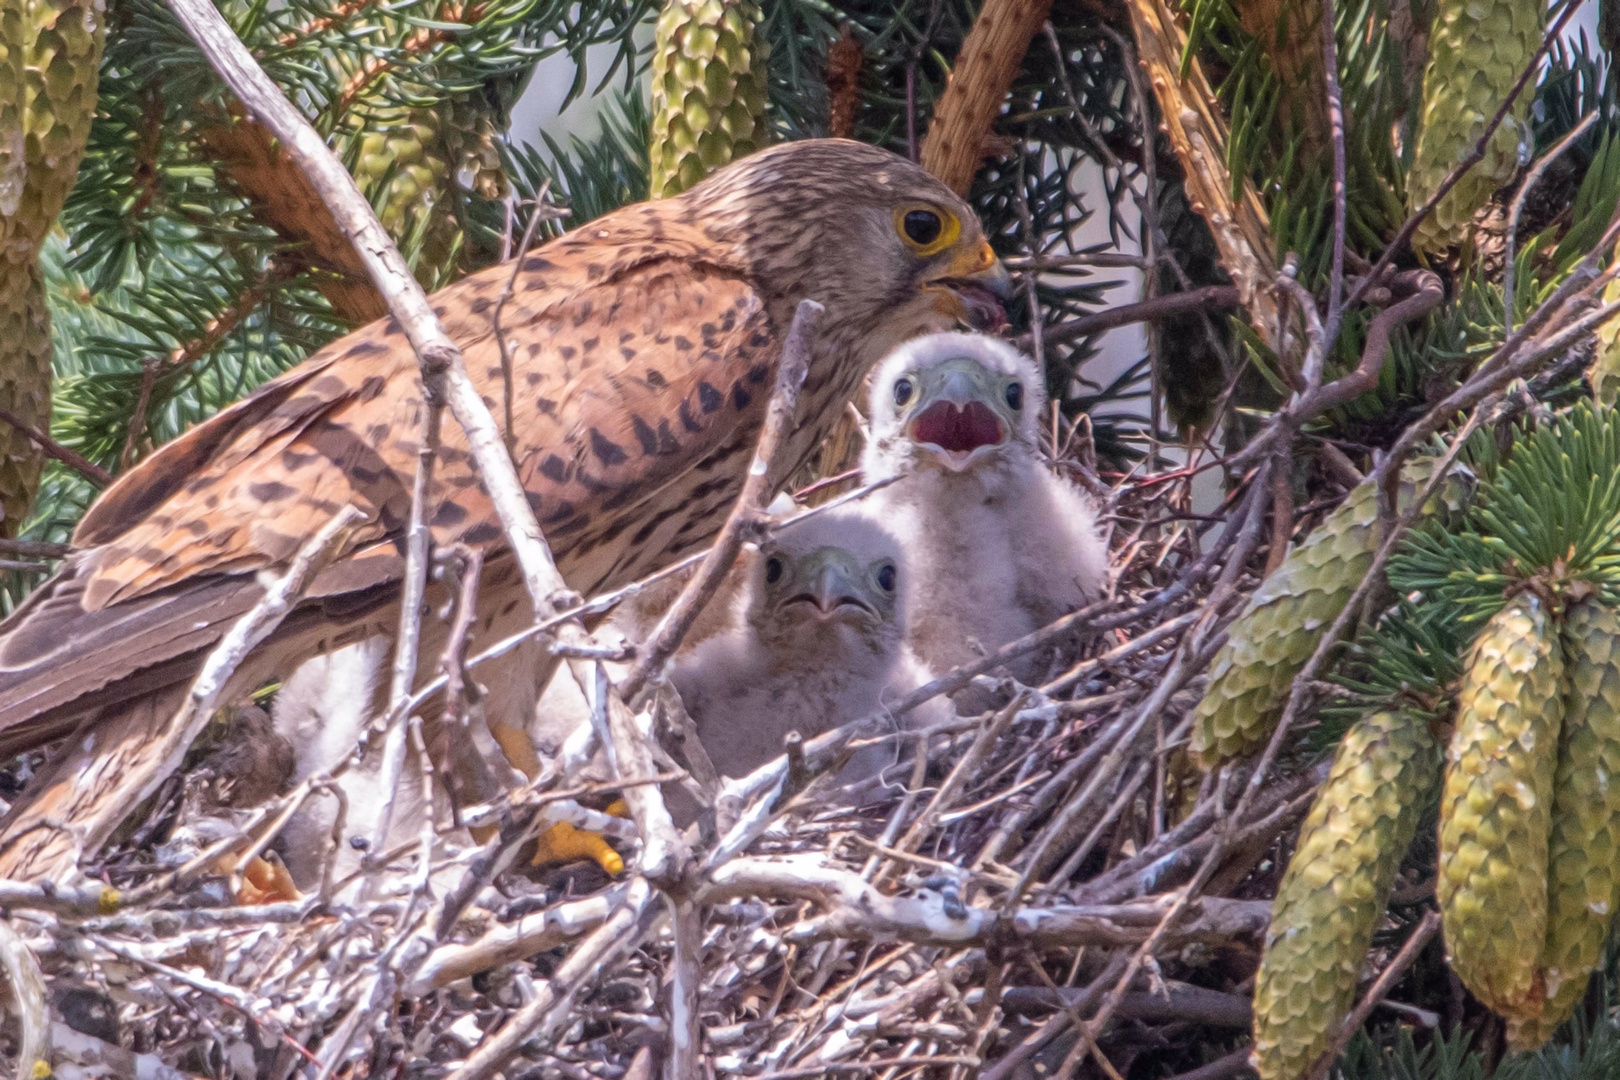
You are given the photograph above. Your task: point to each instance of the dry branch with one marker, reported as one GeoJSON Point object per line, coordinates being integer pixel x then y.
{"type": "Point", "coordinates": [1198, 134]}
{"type": "Point", "coordinates": [746, 516]}
{"type": "Point", "coordinates": [55, 450]}
{"type": "Point", "coordinates": [854, 908]}
{"type": "Point", "coordinates": [27, 999]}
{"type": "Point", "coordinates": [990, 58]}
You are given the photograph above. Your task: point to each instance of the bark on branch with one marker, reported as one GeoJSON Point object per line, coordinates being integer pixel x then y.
{"type": "Point", "coordinates": [1188, 115]}
{"type": "Point", "coordinates": [991, 57]}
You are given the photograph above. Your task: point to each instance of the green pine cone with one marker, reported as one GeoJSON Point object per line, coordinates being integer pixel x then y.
{"type": "Point", "coordinates": [708, 91]}
{"type": "Point", "coordinates": [1583, 881]}
{"type": "Point", "coordinates": [1274, 637]}
{"type": "Point", "coordinates": [1336, 886]}
{"type": "Point", "coordinates": [50, 72]}
{"type": "Point", "coordinates": [1497, 805]}
{"type": "Point", "coordinates": [1477, 51]}
{"type": "Point", "coordinates": [410, 148]}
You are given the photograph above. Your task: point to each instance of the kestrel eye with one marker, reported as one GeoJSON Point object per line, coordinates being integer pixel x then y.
{"type": "Point", "coordinates": [902, 391]}
{"type": "Point", "coordinates": [886, 577]}
{"type": "Point", "coordinates": [1015, 396]}
{"type": "Point", "coordinates": [773, 570]}
{"type": "Point", "coordinates": [923, 227]}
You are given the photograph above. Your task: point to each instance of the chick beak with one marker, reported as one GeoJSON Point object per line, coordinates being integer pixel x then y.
{"type": "Point", "coordinates": [957, 424]}
{"type": "Point", "coordinates": [979, 286]}
{"type": "Point", "coordinates": [834, 592]}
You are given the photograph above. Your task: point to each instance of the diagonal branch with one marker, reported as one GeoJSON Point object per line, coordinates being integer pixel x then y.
{"type": "Point", "coordinates": [53, 449]}
{"type": "Point", "coordinates": [746, 515]}
{"type": "Point", "coordinates": [1198, 134]}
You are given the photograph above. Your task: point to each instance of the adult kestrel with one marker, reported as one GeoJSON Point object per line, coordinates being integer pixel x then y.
{"type": "Point", "coordinates": [643, 348]}
{"type": "Point", "coordinates": [1000, 544]}
{"type": "Point", "coordinates": [816, 640]}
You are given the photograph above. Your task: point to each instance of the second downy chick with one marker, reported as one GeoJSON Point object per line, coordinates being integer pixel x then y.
{"type": "Point", "coordinates": [816, 640]}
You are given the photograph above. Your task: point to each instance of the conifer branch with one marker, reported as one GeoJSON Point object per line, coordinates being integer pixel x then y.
{"type": "Point", "coordinates": [1197, 132]}
{"type": "Point", "coordinates": [990, 58]}
{"type": "Point", "coordinates": [55, 450]}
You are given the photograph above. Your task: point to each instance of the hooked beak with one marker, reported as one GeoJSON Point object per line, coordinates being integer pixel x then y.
{"type": "Point", "coordinates": [974, 287]}
{"type": "Point", "coordinates": [834, 591]}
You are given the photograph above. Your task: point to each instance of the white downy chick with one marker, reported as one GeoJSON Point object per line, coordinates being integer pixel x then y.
{"type": "Point", "coordinates": [1000, 544]}
{"type": "Point", "coordinates": [322, 709]}
{"type": "Point", "coordinates": [815, 641]}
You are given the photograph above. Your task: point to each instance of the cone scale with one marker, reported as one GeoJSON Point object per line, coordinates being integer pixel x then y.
{"type": "Point", "coordinates": [708, 91]}
{"type": "Point", "coordinates": [1583, 882]}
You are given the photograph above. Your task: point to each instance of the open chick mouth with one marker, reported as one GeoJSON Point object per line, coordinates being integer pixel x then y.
{"type": "Point", "coordinates": [958, 430]}
{"type": "Point", "coordinates": [982, 309]}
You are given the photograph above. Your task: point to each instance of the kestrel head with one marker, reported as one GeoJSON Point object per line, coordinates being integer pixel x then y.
{"type": "Point", "coordinates": [826, 584]}
{"type": "Point", "coordinates": [955, 402]}
{"type": "Point", "coordinates": [869, 234]}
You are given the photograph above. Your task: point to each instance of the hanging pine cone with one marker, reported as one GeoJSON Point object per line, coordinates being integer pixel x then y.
{"type": "Point", "coordinates": [1496, 808]}
{"type": "Point", "coordinates": [52, 62]}
{"type": "Point", "coordinates": [708, 90]}
{"type": "Point", "coordinates": [1334, 891]}
{"type": "Point", "coordinates": [1477, 51]}
{"type": "Point", "coordinates": [1274, 637]}
{"type": "Point", "coordinates": [1583, 884]}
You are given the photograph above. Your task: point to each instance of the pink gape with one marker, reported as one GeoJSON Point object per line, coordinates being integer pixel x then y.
{"type": "Point", "coordinates": [958, 430]}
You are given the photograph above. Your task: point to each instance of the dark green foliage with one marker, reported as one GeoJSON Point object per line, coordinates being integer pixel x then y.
{"type": "Point", "coordinates": [589, 176]}
{"type": "Point", "coordinates": [1552, 510]}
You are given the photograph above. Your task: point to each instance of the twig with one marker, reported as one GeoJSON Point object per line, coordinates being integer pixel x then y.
{"type": "Point", "coordinates": [27, 998]}
{"type": "Point", "coordinates": [686, 979]}
{"type": "Point", "coordinates": [53, 449]}
{"type": "Point", "coordinates": [542, 212]}
{"type": "Point", "coordinates": [213, 332]}
{"type": "Point", "coordinates": [1335, 107]}
{"type": "Point", "coordinates": [412, 595]}
{"type": "Point", "coordinates": [1313, 401]}
{"type": "Point", "coordinates": [1282, 513]}
{"type": "Point", "coordinates": [854, 908]}
{"type": "Point", "coordinates": [1511, 238]}
{"type": "Point", "coordinates": [1222, 1068]}
{"type": "Point", "coordinates": [1167, 306]}
{"type": "Point", "coordinates": [541, 1017]}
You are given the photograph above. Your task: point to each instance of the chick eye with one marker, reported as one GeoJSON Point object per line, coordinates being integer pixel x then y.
{"type": "Point", "coordinates": [1015, 396]}
{"type": "Point", "coordinates": [773, 570]}
{"type": "Point", "coordinates": [902, 391]}
{"type": "Point", "coordinates": [886, 577]}
{"type": "Point", "coordinates": [922, 226]}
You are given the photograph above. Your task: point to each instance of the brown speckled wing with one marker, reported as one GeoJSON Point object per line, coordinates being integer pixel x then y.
{"type": "Point", "coordinates": [641, 368]}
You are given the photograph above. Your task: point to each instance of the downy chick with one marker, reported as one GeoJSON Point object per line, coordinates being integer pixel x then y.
{"type": "Point", "coordinates": [1000, 544]}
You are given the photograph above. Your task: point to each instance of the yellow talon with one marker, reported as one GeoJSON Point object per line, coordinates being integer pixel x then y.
{"type": "Point", "coordinates": [564, 843]}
